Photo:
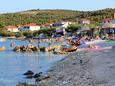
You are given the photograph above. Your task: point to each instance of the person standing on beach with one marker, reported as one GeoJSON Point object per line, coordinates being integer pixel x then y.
{"type": "Point", "coordinates": [82, 42]}
{"type": "Point", "coordinates": [38, 43]}
{"type": "Point", "coordinates": [49, 44]}
{"type": "Point", "coordinates": [12, 43]}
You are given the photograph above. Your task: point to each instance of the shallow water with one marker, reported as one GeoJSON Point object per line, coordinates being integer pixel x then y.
{"type": "Point", "coordinates": [13, 65]}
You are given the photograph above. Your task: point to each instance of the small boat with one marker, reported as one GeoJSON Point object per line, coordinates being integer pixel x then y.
{"type": "Point", "coordinates": [2, 48]}
{"type": "Point", "coordinates": [68, 48]}
{"type": "Point", "coordinates": [71, 49]}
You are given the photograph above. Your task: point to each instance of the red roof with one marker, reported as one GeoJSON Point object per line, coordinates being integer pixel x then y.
{"type": "Point", "coordinates": [31, 24]}
{"type": "Point", "coordinates": [45, 24]}
{"type": "Point", "coordinates": [10, 27]}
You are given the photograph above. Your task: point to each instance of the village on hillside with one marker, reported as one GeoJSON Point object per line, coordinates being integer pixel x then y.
{"type": "Point", "coordinates": [105, 28]}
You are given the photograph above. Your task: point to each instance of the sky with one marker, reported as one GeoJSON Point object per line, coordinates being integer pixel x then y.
{"type": "Point", "coordinates": [81, 5]}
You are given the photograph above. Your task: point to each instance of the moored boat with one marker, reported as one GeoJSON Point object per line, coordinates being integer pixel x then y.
{"type": "Point", "coordinates": [71, 49]}
{"type": "Point", "coordinates": [68, 48]}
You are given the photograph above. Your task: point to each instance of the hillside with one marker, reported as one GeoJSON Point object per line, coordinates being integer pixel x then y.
{"type": "Point", "coordinates": [47, 16]}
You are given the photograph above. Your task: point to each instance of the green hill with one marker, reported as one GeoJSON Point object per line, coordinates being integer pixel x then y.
{"type": "Point", "coordinates": [46, 16]}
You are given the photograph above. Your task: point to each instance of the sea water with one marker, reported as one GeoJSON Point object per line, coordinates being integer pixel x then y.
{"type": "Point", "coordinates": [13, 65]}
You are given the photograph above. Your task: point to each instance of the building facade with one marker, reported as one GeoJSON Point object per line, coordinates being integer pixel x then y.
{"type": "Point", "coordinates": [11, 28]}
{"type": "Point", "coordinates": [108, 26]}
{"type": "Point", "coordinates": [31, 27]}
{"type": "Point", "coordinates": [83, 21]}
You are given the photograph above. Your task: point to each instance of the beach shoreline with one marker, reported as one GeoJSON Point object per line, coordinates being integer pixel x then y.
{"type": "Point", "coordinates": [78, 69]}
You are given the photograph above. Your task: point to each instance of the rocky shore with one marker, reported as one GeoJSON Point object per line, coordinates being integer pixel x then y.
{"type": "Point", "coordinates": [83, 69]}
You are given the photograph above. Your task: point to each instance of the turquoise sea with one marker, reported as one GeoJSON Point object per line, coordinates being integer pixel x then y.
{"type": "Point", "coordinates": [13, 65]}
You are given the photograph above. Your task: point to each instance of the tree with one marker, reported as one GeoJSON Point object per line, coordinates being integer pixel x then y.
{"type": "Point", "coordinates": [72, 28]}
{"type": "Point", "coordinates": [19, 34]}
{"type": "Point", "coordinates": [28, 33]}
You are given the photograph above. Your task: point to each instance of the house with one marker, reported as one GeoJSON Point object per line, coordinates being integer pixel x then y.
{"type": "Point", "coordinates": [60, 31]}
{"type": "Point", "coordinates": [31, 27]}
{"type": "Point", "coordinates": [65, 24]}
{"type": "Point", "coordinates": [108, 26]}
{"type": "Point", "coordinates": [57, 24]}
{"type": "Point", "coordinates": [83, 21]}
{"type": "Point", "coordinates": [61, 24]}
{"type": "Point", "coordinates": [11, 28]}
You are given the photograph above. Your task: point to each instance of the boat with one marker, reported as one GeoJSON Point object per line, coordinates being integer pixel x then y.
{"type": "Point", "coordinates": [2, 48]}
{"type": "Point", "coordinates": [71, 49]}
{"type": "Point", "coordinates": [68, 48]}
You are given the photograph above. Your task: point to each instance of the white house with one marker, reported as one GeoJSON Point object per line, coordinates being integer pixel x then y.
{"type": "Point", "coordinates": [61, 24]}
{"type": "Point", "coordinates": [11, 28]}
{"type": "Point", "coordinates": [31, 27]}
{"type": "Point", "coordinates": [66, 24]}
{"type": "Point", "coordinates": [83, 21]}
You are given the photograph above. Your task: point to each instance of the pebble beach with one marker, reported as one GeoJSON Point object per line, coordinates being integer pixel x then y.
{"type": "Point", "coordinates": [83, 69]}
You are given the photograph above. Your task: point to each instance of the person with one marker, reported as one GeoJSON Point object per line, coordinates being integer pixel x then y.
{"type": "Point", "coordinates": [30, 41]}
{"type": "Point", "coordinates": [11, 44]}
{"type": "Point", "coordinates": [49, 44]}
{"type": "Point", "coordinates": [82, 41]}
{"type": "Point", "coordinates": [97, 37]}
{"type": "Point", "coordinates": [38, 43]}
{"type": "Point", "coordinates": [90, 46]}
{"type": "Point", "coordinates": [93, 46]}
{"type": "Point", "coordinates": [106, 35]}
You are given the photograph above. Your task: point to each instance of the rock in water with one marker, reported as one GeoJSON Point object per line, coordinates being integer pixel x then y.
{"type": "Point", "coordinates": [113, 47]}
{"type": "Point", "coordinates": [29, 72]}
{"type": "Point", "coordinates": [37, 75]}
